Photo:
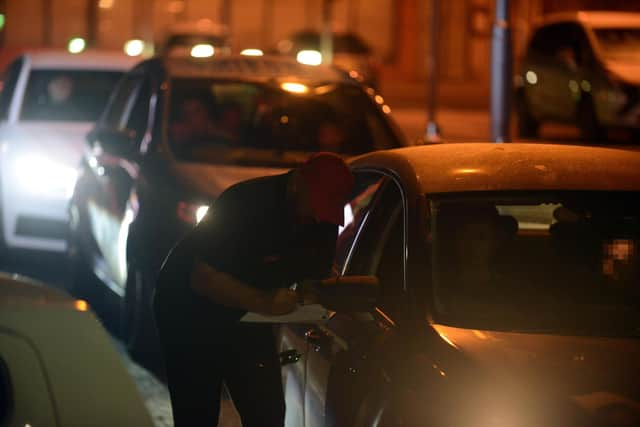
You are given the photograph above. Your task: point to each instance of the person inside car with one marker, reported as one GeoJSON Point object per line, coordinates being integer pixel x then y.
{"type": "Point", "coordinates": [193, 122]}
{"type": "Point", "coordinates": [260, 237]}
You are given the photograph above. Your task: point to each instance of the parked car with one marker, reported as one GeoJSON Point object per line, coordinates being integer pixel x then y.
{"type": "Point", "coordinates": [350, 52]}
{"type": "Point", "coordinates": [47, 105]}
{"type": "Point", "coordinates": [508, 293]}
{"type": "Point", "coordinates": [582, 68]}
{"type": "Point", "coordinates": [181, 39]}
{"type": "Point", "coordinates": [58, 366]}
{"type": "Point", "coordinates": [175, 134]}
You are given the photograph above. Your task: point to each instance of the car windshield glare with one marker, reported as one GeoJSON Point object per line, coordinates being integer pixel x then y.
{"type": "Point", "coordinates": [238, 122]}
{"type": "Point", "coordinates": [622, 44]}
{"type": "Point", "coordinates": [67, 95]}
{"type": "Point", "coordinates": [561, 262]}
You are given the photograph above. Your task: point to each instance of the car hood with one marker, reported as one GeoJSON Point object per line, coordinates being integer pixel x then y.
{"type": "Point", "coordinates": [596, 377]}
{"type": "Point", "coordinates": [63, 143]}
{"type": "Point", "coordinates": [626, 71]}
{"type": "Point", "coordinates": [16, 290]}
{"type": "Point", "coordinates": [211, 180]}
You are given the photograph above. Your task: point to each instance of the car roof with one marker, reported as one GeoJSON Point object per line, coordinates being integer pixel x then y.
{"type": "Point", "coordinates": [467, 167]}
{"type": "Point", "coordinates": [596, 19]}
{"type": "Point", "coordinates": [89, 60]}
{"type": "Point", "coordinates": [254, 68]}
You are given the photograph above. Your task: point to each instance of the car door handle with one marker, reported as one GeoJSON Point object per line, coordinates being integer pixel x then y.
{"type": "Point", "coordinates": [288, 357]}
{"type": "Point", "coordinates": [316, 337]}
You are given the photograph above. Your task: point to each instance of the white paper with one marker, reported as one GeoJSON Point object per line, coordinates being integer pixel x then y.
{"type": "Point", "coordinates": [311, 313]}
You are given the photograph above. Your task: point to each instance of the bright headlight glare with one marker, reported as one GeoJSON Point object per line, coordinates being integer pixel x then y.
{"type": "Point", "coordinates": [309, 57]}
{"type": "Point", "coordinates": [201, 212]}
{"type": "Point", "coordinates": [42, 176]}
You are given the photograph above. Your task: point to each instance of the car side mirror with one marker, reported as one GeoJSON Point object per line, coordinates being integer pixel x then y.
{"type": "Point", "coordinates": [117, 142]}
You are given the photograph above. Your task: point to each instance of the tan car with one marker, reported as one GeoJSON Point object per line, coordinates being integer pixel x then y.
{"type": "Point", "coordinates": [58, 366]}
{"type": "Point", "coordinates": [508, 293]}
{"type": "Point", "coordinates": [582, 68]}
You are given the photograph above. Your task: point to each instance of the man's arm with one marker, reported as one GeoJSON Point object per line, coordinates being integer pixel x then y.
{"type": "Point", "coordinates": [224, 289]}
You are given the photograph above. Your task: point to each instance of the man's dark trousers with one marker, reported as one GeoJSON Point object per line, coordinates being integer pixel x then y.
{"type": "Point", "coordinates": [197, 362]}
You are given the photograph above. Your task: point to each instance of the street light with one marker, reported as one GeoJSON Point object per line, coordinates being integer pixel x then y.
{"type": "Point", "coordinates": [76, 45]}
{"type": "Point", "coordinates": [134, 47]}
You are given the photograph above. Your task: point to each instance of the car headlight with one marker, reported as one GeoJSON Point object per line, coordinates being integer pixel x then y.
{"type": "Point", "coordinates": [42, 176]}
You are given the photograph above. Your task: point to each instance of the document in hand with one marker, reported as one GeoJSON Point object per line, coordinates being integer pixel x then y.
{"type": "Point", "coordinates": [311, 313]}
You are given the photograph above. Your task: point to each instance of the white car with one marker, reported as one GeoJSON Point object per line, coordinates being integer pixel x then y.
{"type": "Point", "coordinates": [48, 103]}
{"type": "Point", "coordinates": [58, 366]}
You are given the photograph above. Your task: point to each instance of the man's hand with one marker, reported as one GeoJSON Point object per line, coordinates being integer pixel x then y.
{"type": "Point", "coordinates": [281, 301]}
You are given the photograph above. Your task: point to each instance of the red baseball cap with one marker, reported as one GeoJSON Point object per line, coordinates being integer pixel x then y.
{"type": "Point", "coordinates": [329, 182]}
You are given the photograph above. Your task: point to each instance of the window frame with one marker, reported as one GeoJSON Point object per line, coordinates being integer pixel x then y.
{"type": "Point", "coordinates": [390, 181]}
{"type": "Point", "coordinates": [7, 98]}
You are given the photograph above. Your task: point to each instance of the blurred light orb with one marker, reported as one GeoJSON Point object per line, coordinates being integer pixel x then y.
{"type": "Point", "coordinates": [532, 77]}
{"type": "Point", "coordinates": [134, 47]}
{"type": "Point", "coordinates": [251, 52]}
{"type": "Point", "coordinates": [76, 45]}
{"type": "Point", "coordinates": [309, 57]}
{"type": "Point", "coordinates": [201, 212]}
{"type": "Point", "coordinates": [573, 86]}
{"type": "Point", "coordinates": [2, 21]}
{"type": "Point", "coordinates": [105, 4]}
{"type": "Point", "coordinates": [176, 6]}
{"type": "Point", "coordinates": [202, 51]}
{"type": "Point", "coordinates": [294, 87]}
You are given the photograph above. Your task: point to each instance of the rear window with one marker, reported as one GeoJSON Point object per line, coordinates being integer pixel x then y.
{"type": "Point", "coordinates": [67, 95]}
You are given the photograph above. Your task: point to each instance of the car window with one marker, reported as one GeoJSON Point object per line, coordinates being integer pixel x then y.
{"type": "Point", "coordinates": [379, 249]}
{"type": "Point", "coordinates": [136, 114]}
{"type": "Point", "coordinates": [120, 102]}
{"type": "Point", "coordinates": [67, 95]}
{"type": "Point", "coordinates": [9, 81]}
{"type": "Point", "coordinates": [619, 44]}
{"type": "Point", "coordinates": [209, 117]}
{"type": "Point", "coordinates": [563, 43]}
{"type": "Point", "coordinates": [565, 262]}
{"type": "Point", "coordinates": [355, 212]}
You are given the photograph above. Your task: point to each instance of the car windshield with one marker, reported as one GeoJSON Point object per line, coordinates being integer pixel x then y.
{"type": "Point", "coordinates": [220, 121]}
{"type": "Point", "coordinates": [67, 95]}
{"type": "Point", "coordinates": [619, 44]}
{"type": "Point", "coordinates": [555, 263]}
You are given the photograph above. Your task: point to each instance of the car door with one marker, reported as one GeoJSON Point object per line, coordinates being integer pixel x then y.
{"type": "Point", "coordinates": [293, 341]}
{"type": "Point", "coordinates": [113, 176]}
{"type": "Point", "coordinates": [347, 358]}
